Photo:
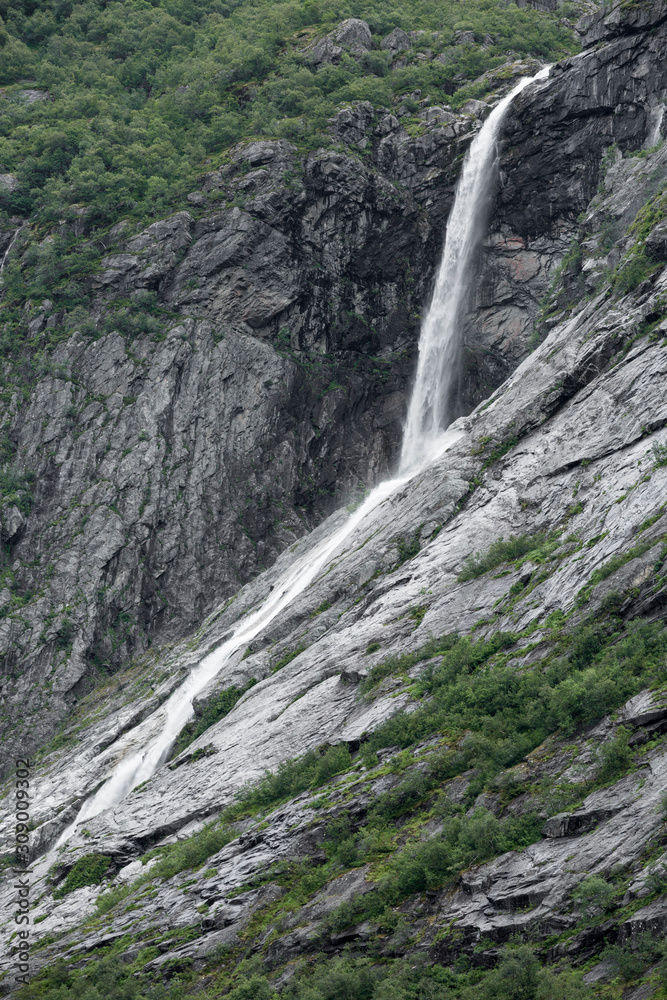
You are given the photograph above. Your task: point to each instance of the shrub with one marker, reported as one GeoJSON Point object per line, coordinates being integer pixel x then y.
{"type": "Point", "coordinates": [107, 900]}
{"type": "Point", "coordinates": [16, 488]}
{"type": "Point", "coordinates": [193, 851]}
{"type": "Point", "coordinates": [88, 870]}
{"type": "Point", "coordinates": [659, 455]}
{"type": "Point", "coordinates": [287, 658]}
{"type": "Point", "coordinates": [593, 897]}
{"type": "Point", "coordinates": [408, 547]}
{"type": "Point", "coordinates": [499, 552]}
{"type": "Point", "coordinates": [626, 963]}
{"type": "Point", "coordinates": [404, 796]}
{"type": "Point", "coordinates": [615, 756]}
{"type": "Point", "coordinates": [516, 977]}
{"type": "Point", "coordinates": [255, 988]}
{"type": "Point", "coordinates": [464, 840]}
{"type": "Point", "coordinates": [633, 271]}
{"type": "Point", "coordinates": [296, 776]}
{"type": "Point", "coordinates": [214, 709]}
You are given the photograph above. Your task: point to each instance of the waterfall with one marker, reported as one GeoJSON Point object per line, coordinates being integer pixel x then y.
{"type": "Point", "coordinates": [146, 746]}
{"type": "Point", "coordinates": [655, 118]}
{"type": "Point", "coordinates": [11, 244]}
{"type": "Point", "coordinates": [430, 407]}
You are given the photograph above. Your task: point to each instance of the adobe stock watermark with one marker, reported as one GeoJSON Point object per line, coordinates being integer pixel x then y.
{"type": "Point", "coordinates": [21, 950]}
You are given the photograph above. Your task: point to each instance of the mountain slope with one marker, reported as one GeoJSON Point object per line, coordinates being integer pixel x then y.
{"type": "Point", "coordinates": [477, 680]}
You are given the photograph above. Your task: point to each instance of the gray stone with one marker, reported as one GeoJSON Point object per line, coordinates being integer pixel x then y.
{"type": "Point", "coordinates": [477, 108]}
{"type": "Point", "coordinates": [656, 241]}
{"type": "Point", "coordinates": [397, 41]}
{"type": "Point", "coordinates": [325, 51]}
{"type": "Point", "coordinates": [355, 35]}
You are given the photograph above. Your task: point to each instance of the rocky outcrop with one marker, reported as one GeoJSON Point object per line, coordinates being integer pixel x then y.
{"type": "Point", "coordinates": [253, 376]}
{"type": "Point", "coordinates": [353, 36]}
{"type": "Point", "coordinates": [265, 382]}
{"type": "Point", "coordinates": [550, 170]}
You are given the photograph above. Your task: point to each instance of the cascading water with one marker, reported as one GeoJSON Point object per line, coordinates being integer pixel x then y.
{"type": "Point", "coordinates": [430, 407]}
{"type": "Point", "coordinates": [13, 240]}
{"type": "Point", "coordinates": [655, 119]}
{"type": "Point", "coordinates": [146, 746]}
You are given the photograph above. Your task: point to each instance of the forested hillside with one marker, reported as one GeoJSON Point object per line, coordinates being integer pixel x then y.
{"type": "Point", "coordinates": [117, 107]}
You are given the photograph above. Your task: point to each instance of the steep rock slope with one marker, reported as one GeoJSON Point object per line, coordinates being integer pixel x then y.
{"type": "Point", "coordinates": [567, 462]}
{"type": "Point", "coordinates": [267, 385]}
{"type": "Point", "coordinates": [256, 364]}
{"type": "Point", "coordinates": [200, 452]}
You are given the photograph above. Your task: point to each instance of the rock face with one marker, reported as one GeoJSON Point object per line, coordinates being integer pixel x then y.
{"type": "Point", "coordinates": [269, 384]}
{"type": "Point", "coordinates": [353, 36]}
{"type": "Point", "coordinates": [269, 374]}
{"type": "Point", "coordinates": [263, 381]}
{"type": "Point", "coordinates": [550, 171]}
{"type": "Point", "coordinates": [143, 449]}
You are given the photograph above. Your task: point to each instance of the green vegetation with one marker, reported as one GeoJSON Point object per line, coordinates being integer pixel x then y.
{"type": "Point", "coordinates": [111, 112]}
{"type": "Point", "coordinates": [287, 658]}
{"type": "Point", "coordinates": [479, 716]}
{"type": "Point", "coordinates": [464, 840]}
{"type": "Point", "coordinates": [510, 712]}
{"type": "Point", "coordinates": [593, 897]}
{"type": "Point", "coordinates": [408, 547]}
{"type": "Point", "coordinates": [659, 455]}
{"type": "Point", "coordinates": [294, 777]}
{"type": "Point", "coordinates": [492, 716]}
{"type": "Point", "coordinates": [638, 262]}
{"type": "Point", "coordinates": [15, 489]}
{"type": "Point", "coordinates": [615, 563]}
{"type": "Point", "coordinates": [88, 870]}
{"type": "Point", "coordinates": [141, 93]}
{"type": "Point", "coordinates": [518, 975]}
{"type": "Point", "coordinates": [213, 710]}
{"type": "Point", "coordinates": [400, 664]}
{"type": "Point", "coordinates": [515, 548]}
{"type": "Point", "coordinates": [616, 756]}
{"type": "Point", "coordinates": [192, 852]}
{"type": "Point", "coordinates": [418, 614]}
{"type": "Point", "coordinates": [107, 900]}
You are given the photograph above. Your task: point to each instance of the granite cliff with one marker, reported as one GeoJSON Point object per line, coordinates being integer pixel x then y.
{"type": "Point", "coordinates": [477, 680]}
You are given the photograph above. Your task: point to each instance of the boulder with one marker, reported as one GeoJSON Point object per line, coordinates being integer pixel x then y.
{"type": "Point", "coordinates": [354, 35]}
{"type": "Point", "coordinates": [477, 108]}
{"type": "Point", "coordinates": [397, 41]}
{"type": "Point", "coordinates": [656, 241]}
{"type": "Point", "coordinates": [325, 51]}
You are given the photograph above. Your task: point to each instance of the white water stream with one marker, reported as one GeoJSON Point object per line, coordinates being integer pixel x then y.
{"type": "Point", "coordinates": [9, 248]}
{"type": "Point", "coordinates": [655, 119]}
{"type": "Point", "coordinates": [147, 745]}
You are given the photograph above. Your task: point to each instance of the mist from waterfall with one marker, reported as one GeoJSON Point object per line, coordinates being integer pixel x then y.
{"type": "Point", "coordinates": [144, 748]}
